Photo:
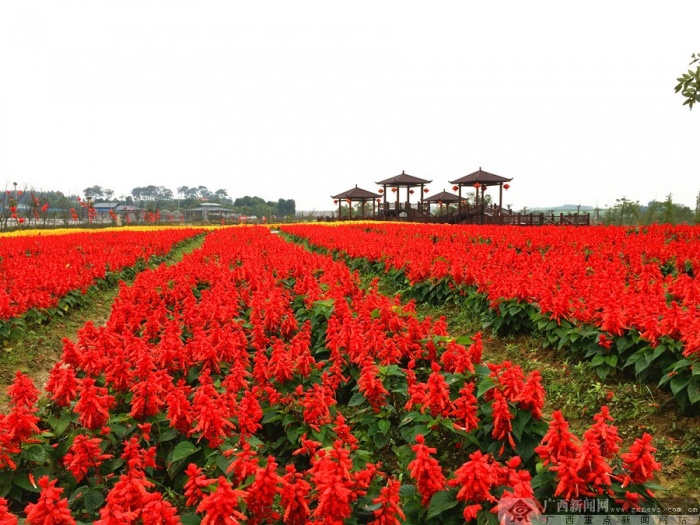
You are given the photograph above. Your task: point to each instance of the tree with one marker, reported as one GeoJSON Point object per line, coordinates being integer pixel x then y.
{"type": "Point", "coordinates": [688, 83]}
{"type": "Point", "coordinates": [286, 208]}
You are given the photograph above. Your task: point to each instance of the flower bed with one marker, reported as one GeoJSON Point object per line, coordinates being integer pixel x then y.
{"type": "Point", "coordinates": [257, 381]}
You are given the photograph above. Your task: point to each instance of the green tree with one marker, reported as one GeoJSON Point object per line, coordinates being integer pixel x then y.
{"type": "Point", "coordinates": [688, 83]}
{"type": "Point", "coordinates": [286, 208]}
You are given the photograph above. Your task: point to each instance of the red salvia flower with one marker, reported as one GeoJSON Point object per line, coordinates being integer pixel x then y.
{"type": "Point", "coordinates": [179, 407]}
{"type": "Point", "coordinates": [426, 471]}
{"type": "Point", "coordinates": [334, 484]}
{"type": "Point", "coordinates": [9, 446]}
{"type": "Point", "coordinates": [249, 413]}
{"type": "Point", "coordinates": [593, 468]}
{"type": "Point", "coordinates": [465, 409]}
{"type": "Point", "coordinates": [570, 483]}
{"type": "Point", "coordinates": [437, 397]}
{"type": "Point", "coordinates": [344, 432]}
{"type": "Point", "coordinates": [603, 434]}
{"type": "Point", "coordinates": [220, 507]}
{"type": "Point", "coordinates": [50, 509]}
{"type": "Point", "coordinates": [510, 378]}
{"type": "Point", "coordinates": [93, 404]}
{"type": "Point", "coordinates": [502, 419]}
{"type": "Point", "coordinates": [260, 496]}
{"type": "Point", "coordinates": [639, 462]}
{"type": "Point", "coordinates": [294, 497]}
{"type": "Point", "coordinates": [389, 513]}
{"type": "Point", "coordinates": [84, 454]}
{"type": "Point", "coordinates": [558, 442]}
{"type": "Point", "coordinates": [196, 481]}
{"type": "Point", "coordinates": [62, 385]}
{"type": "Point", "coordinates": [210, 413]}
{"type": "Point", "coordinates": [245, 464]}
{"type": "Point", "coordinates": [370, 386]}
{"type": "Point", "coordinates": [475, 478]}
{"type": "Point", "coordinates": [6, 518]}
{"type": "Point", "coordinates": [157, 511]}
{"type": "Point", "coordinates": [532, 396]}
{"type": "Point", "coordinates": [149, 394]}
{"type": "Point", "coordinates": [22, 392]}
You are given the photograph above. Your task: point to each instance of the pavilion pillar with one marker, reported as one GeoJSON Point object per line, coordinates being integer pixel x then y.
{"type": "Point", "coordinates": [340, 209]}
{"type": "Point", "coordinates": [500, 198]}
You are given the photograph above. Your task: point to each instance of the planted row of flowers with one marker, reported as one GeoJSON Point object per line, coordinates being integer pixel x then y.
{"type": "Point", "coordinates": [42, 276]}
{"type": "Point", "coordinates": [256, 381]}
{"type": "Point", "coordinates": [623, 298]}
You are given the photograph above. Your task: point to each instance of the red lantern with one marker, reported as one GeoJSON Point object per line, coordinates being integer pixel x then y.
{"type": "Point", "coordinates": [335, 201]}
{"type": "Point", "coordinates": [426, 190]}
{"type": "Point", "coordinates": [394, 190]}
{"type": "Point", "coordinates": [440, 203]}
{"type": "Point", "coordinates": [477, 185]}
{"type": "Point", "coordinates": [348, 201]}
{"type": "Point", "coordinates": [379, 201]}
{"type": "Point", "coordinates": [506, 186]}
{"type": "Point", "coordinates": [381, 191]}
{"type": "Point", "coordinates": [455, 188]}
{"type": "Point", "coordinates": [410, 191]}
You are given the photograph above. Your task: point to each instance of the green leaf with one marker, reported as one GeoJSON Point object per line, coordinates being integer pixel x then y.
{"type": "Point", "coordinates": [694, 392]}
{"type": "Point", "coordinates": [356, 400]}
{"type": "Point", "coordinates": [440, 502]}
{"type": "Point", "coordinates": [519, 423]}
{"type": "Point", "coordinates": [406, 491]}
{"type": "Point", "coordinates": [485, 385]}
{"type": "Point", "coordinates": [93, 500]}
{"type": "Point", "coordinates": [34, 453]}
{"type": "Point", "coordinates": [168, 434]}
{"type": "Point", "coordinates": [678, 383]}
{"type": "Point", "coordinates": [183, 450]}
{"type": "Point", "coordinates": [190, 519]}
{"type": "Point", "coordinates": [384, 426]}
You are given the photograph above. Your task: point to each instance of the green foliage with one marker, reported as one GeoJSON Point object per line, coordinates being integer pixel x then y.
{"type": "Point", "coordinates": [689, 82]}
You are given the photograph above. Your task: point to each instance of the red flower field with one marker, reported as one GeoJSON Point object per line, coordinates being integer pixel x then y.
{"type": "Point", "coordinates": [258, 382]}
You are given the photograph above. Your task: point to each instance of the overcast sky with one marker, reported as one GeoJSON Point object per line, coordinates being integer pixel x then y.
{"type": "Point", "coordinates": [301, 99]}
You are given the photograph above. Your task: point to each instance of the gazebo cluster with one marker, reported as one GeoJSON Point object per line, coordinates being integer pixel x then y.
{"type": "Point", "coordinates": [405, 203]}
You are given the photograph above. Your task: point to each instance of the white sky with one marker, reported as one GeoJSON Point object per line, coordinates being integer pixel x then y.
{"type": "Point", "coordinates": [301, 99]}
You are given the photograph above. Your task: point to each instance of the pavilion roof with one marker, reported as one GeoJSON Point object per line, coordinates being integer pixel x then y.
{"type": "Point", "coordinates": [443, 196]}
{"type": "Point", "coordinates": [482, 177]}
{"type": "Point", "coordinates": [404, 180]}
{"type": "Point", "coordinates": [356, 194]}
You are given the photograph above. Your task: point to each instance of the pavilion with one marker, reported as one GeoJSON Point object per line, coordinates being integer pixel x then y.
{"type": "Point", "coordinates": [408, 183]}
{"type": "Point", "coordinates": [442, 198]}
{"type": "Point", "coordinates": [356, 195]}
{"type": "Point", "coordinates": [480, 180]}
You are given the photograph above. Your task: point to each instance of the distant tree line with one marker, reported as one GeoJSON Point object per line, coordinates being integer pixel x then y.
{"type": "Point", "coordinates": [22, 206]}
{"type": "Point", "coordinates": [162, 198]}
{"type": "Point", "coordinates": [629, 212]}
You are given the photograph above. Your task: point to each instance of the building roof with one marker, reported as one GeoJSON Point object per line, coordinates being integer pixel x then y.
{"type": "Point", "coordinates": [357, 194]}
{"type": "Point", "coordinates": [404, 180]}
{"type": "Point", "coordinates": [482, 177]}
{"type": "Point", "coordinates": [218, 207]}
{"type": "Point", "coordinates": [105, 205]}
{"type": "Point", "coordinates": [443, 196]}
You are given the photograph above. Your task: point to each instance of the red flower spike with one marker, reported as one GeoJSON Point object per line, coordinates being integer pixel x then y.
{"type": "Point", "coordinates": [50, 509]}
{"type": "Point", "coordinates": [426, 471]}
